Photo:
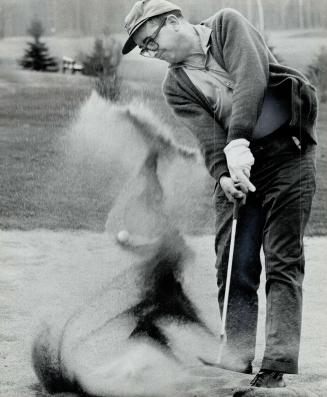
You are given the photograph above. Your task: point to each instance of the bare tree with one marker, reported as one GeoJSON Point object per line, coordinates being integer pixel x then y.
{"type": "Point", "coordinates": [77, 16]}
{"type": "Point", "coordinates": [5, 18]}
{"type": "Point", "coordinates": [261, 17]}
{"type": "Point", "coordinates": [308, 14]}
{"type": "Point", "coordinates": [283, 12]}
{"type": "Point", "coordinates": [2, 21]}
{"type": "Point", "coordinates": [301, 14]}
{"type": "Point", "coordinates": [249, 12]}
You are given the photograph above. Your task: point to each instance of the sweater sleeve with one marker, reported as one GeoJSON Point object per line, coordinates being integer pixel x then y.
{"type": "Point", "coordinates": [209, 134]}
{"type": "Point", "coordinates": [246, 59]}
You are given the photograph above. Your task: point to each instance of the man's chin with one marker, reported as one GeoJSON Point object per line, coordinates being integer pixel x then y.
{"type": "Point", "coordinates": [167, 57]}
{"type": "Point", "coordinates": [162, 56]}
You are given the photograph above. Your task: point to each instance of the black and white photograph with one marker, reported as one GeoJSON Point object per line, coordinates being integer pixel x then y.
{"type": "Point", "coordinates": [163, 208]}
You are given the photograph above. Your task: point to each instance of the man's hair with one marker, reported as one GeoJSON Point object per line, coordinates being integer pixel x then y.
{"type": "Point", "coordinates": [158, 19]}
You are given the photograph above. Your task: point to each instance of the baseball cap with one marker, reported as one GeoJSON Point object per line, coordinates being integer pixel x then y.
{"type": "Point", "coordinates": [141, 12]}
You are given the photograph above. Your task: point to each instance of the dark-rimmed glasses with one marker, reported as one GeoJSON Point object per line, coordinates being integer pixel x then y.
{"type": "Point", "coordinates": [151, 47]}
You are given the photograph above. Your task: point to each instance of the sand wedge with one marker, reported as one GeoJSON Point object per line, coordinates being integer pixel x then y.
{"type": "Point", "coordinates": [228, 281]}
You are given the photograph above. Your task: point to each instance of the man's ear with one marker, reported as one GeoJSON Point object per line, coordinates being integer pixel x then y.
{"type": "Point", "coordinates": [174, 22]}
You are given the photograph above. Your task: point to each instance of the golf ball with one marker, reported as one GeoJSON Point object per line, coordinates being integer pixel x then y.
{"type": "Point", "coordinates": [123, 236]}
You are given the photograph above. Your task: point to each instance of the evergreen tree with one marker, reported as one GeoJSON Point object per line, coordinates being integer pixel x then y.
{"type": "Point", "coordinates": [36, 55]}
{"type": "Point", "coordinates": [104, 59]}
{"type": "Point", "coordinates": [103, 63]}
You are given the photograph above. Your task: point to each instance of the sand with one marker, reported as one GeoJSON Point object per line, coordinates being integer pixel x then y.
{"type": "Point", "coordinates": [46, 274]}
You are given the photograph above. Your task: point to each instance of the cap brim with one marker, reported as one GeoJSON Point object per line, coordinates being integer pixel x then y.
{"type": "Point", "coordinates": [130, 43]}
{"type": "Point", "coordinates": [129, 46]}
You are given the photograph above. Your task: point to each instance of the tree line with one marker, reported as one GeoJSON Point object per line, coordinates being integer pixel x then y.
{"type": "Point", "coordinates": [89, 17]}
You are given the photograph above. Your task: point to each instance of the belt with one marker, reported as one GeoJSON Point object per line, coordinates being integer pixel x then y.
{"type": "Point", "coordinates": [282, 131]}
{"type": "Point", "coordinates": [273, 143]}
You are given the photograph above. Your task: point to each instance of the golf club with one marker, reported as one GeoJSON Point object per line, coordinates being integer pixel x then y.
{"type": "Point", "coordinates": [237, 203]}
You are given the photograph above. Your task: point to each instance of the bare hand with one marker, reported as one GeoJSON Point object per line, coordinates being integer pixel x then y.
{"type": "Point", "coordinates": [233, 190]}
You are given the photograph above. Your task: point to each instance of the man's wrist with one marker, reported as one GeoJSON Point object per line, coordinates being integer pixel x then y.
{"type": "Point", "coordinates": [236, 143]}
{"type": "Point", "coordinates": [239, 133]}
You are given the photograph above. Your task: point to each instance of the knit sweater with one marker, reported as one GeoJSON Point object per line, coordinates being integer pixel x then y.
{"type": "Point", "coordinates": [240, 50]}
{"type": "Point", "coordinates": [214, 82]}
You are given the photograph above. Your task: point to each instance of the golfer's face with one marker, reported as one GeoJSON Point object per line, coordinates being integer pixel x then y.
{"type": "Point", "coordinates": [167, 39]}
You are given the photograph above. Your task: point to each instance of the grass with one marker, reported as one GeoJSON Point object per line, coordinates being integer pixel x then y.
{"type": "Point", "coordinates": [298, 48]}
{"type": "Point", "coordinates": [35, 111]}
{"type": "Point", "coordinates": [38, 189]}
{"type": "Point", "coordinates": [51, 275]}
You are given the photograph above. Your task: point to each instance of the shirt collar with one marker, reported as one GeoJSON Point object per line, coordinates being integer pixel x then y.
{"type": "Point", "coordinates": [204, 34]}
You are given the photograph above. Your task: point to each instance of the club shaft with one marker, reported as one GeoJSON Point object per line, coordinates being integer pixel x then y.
{"type": "Point", "coordinates": [228, 278]}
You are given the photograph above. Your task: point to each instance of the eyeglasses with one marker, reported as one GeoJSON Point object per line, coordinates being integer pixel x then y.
{"type": "Point", "coordinates": [151, 47]}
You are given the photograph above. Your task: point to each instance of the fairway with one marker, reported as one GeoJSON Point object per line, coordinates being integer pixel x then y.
{"type": "Point", "coordinates": [41, 185]}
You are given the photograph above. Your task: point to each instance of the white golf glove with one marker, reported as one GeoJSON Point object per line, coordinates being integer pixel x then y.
{"type": "Point", "coordinates": [239, 161]}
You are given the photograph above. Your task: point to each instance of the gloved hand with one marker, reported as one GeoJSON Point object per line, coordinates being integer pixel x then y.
{"type": "Point", "coordinates": [239, 161]}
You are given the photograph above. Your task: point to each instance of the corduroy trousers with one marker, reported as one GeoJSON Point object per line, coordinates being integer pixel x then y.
{"type": "Point", "coordinates": [274, 218]}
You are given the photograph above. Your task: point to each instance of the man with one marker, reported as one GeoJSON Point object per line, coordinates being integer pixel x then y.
{"type": "Point", "coordinates": [254, 120]}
